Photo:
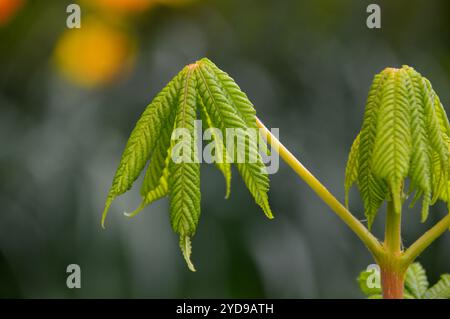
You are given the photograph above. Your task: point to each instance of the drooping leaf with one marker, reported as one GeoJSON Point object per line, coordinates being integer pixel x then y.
{"type": "Point", "coordinates": [173, 166]}
{"type": "Point", "coordinates": [405, 134]}
{"type": "Point", "coordinates": [142, 140]}
{"type": "Point", "coordinates": [184, 172]}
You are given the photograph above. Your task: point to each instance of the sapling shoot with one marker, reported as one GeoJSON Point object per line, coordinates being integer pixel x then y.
{"type": "Point", "coordinates": [405, 135]}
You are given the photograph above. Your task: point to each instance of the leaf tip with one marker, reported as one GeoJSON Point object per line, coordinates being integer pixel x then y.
{"type": "Point", "coordinates": [425, 211]}
{"type": "Point", "coordinates": [266, 209]}
{"type": "Point", "coordinates": [105, 212]}
{"type": "Point", "coordinates": [136, 211]}
{"type": "Point", "coordinates": [228, 188]}
{"type": "Point", "coordinates": [186, 248]}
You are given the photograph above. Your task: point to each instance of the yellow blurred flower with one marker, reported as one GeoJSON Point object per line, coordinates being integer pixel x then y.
{"type": "Point", "coordinates": [95, 54]}
{"type": "Point", "coordinates": [8, 8]}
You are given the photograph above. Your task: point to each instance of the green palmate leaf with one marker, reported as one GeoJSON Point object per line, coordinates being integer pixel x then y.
{"type": "Point", "coordinates": [416, 282]}
{"type": "Point", "coordinates": [165, 136]}
{"type": "Point", "coordinates": [142, 140]}
{"type": "Point", "coordinates": [441, 290]}
{"type": "Point", "coordinates": [405, 134]}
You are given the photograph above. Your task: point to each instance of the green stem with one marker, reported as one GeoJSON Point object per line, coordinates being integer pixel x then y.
{"type": "Point", "coordinates": [425, 240]}
{"type": "Point", "coordinates": [393, 262]}
{"type": "Point", "coordinates": [392, 271]}
{"type": "Point", "coordinates": [392, 238]}
{"type": "Point", "coordinates": [354, 224]}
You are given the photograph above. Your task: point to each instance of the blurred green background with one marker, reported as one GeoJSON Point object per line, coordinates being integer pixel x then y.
{"type": "Point", "coordinates": [69, 99]}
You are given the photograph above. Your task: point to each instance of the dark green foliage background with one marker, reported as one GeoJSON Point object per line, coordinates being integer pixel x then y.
{"type": "Point", "coordinates": [306, 65]}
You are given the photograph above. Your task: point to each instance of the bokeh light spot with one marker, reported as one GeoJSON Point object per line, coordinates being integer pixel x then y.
{"type": "Point", "coordinates": [95, 54]}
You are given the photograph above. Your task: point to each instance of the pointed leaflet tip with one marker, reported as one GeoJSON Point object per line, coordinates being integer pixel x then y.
{"type": "Point", "coordinates": [105, 212]}
{"type": "Point", "coordinates": [425, 208]}
{"type": "Point", "coordinates": [227, 194]}
{"type": "Point", "coordinates": [136, 211]}
{"type": "Point", "coordinates": [346, 199]}
{"type": "Point", "coordinates": [266, 208]}
{"type": "Point", "coordinates": [370, 215]}
{"type": "Point", "coordinates": [186, 248]}
{"type": "Point", "coordinates": [424, 214]}
{"type": "Point", "coordinates": [227, 176]}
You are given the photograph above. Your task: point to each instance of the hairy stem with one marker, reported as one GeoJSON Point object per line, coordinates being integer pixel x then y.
{"type": "Point", "coordinates": [392, 272]}
{"type": "Point", "coordinates": [392, 278]}
{"type": "Point", "coordinates": [354, 224]}
{"type": "Point", "coordinates": [425, 240]}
